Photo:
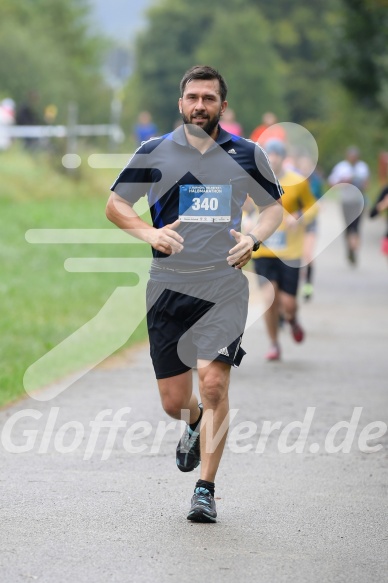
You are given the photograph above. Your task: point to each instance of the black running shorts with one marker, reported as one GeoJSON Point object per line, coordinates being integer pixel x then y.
{"type": "Point", "coordinates": [352, 221]}
{"type": "Point", "coordinates": [200, 320]}
{"type": "Point", "coordinates": [286, 275]}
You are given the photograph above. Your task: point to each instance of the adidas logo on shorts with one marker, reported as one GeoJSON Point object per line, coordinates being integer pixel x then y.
{"type": "Point", "coordinates": [223, 351]}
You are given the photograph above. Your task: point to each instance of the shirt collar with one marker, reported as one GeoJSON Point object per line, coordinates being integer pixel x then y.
{"type": "Point", "coordinates": [179, 136]}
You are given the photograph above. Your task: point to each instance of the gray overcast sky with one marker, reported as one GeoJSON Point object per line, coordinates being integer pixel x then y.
{"type": "Point", "coordinates": [120, 19]}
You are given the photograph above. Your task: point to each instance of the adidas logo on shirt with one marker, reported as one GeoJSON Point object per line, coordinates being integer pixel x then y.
{"type": "Point", "coordinates": [232, 151]}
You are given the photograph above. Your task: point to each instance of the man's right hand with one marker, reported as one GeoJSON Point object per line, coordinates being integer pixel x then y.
{"type": "Point", "coordinates": [167, 240]}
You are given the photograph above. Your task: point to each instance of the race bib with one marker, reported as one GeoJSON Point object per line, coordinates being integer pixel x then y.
{"type": "Point", "coordinates": [277, 241]}
{"type": "Point", "coordinates": [205, 203]}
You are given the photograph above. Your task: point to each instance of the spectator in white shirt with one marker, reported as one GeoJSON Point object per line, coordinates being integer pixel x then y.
{"type": "Point", "coordinates": [353, 171]}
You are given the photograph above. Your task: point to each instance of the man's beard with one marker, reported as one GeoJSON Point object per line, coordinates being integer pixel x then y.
{"type": "Point", "coordinates": [197, 131]}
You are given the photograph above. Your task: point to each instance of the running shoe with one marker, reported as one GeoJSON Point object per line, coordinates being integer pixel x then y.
{"type": "Point", "coordinates": [203, 506]}
{"type": "Point", "coordinates": [307, 291]}
{"type": "Point", "coordinates": [273, 353]}
{"type": "Point", "coordinates": [297, 331]}
{"type": "Point", "coordinates": [188, 453]}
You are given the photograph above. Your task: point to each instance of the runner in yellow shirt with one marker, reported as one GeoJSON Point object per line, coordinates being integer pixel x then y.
{"type": "Point", "coordinates": [278, 259]}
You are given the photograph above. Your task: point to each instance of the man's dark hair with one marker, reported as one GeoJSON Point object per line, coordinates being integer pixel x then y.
{"type": "Point", "coordinates": [204, 72]}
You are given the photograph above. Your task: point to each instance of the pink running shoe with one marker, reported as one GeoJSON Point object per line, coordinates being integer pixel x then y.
{"type": "Point", "coordinates": [297, 331]}
{"type": "Point", "coordinates": [273, 353]}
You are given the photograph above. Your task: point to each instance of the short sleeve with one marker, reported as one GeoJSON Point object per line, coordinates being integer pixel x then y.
{"type": "Point", "coordinates": [133, 181]}
{"type": "Point", "coordinates": [268, 189]}
{"type": "Point", "coordinates": [363, 171]}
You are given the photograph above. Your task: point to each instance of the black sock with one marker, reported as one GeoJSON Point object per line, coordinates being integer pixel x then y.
{"type": "Point", "coordinates": [193, 426]}
{"type": "Point", "coordinates": [309, 275]}
{"type": "Point", "coordinates": [208, 485]}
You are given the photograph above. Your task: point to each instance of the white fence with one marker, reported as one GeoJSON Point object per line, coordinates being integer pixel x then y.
{"type": "Point", "coordinates": [61, 131]}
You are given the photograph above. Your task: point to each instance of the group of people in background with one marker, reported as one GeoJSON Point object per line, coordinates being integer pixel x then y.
{"type": "Point", "coordinates": [24, 113]}
{"type": "Point", "coordinates": [229, 201]}
{"type": "Point", "coordinates": [278, 261]}
{"type": "Point", "coordinates": [286, 260]}
{"type": "Point", "coordinates": [355, 172]}
{"type": "Point", "coordinates": [284, 263]}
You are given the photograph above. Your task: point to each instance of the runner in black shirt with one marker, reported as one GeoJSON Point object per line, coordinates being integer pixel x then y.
{"type": "Point", "coordinates": [197, 180]}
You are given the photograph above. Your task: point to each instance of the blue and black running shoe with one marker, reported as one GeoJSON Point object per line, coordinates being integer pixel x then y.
{"type": "Point", "coordinates": [203, 506]}
{"type": "Point", "coordinates": [188, 453]}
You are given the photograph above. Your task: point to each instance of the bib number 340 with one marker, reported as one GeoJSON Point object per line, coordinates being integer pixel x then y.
{"type": "Point", "coordinates": [205, 203]}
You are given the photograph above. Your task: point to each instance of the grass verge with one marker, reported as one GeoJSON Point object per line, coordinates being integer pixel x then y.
{"type": "Point", "coordinates": [42, 304]}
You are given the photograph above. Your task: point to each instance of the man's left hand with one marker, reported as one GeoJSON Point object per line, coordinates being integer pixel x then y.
{"type": "Point", "coordinates": [241, 253]}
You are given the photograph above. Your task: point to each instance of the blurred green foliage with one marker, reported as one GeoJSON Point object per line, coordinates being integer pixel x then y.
{"type": "Point", "coordinates": [323, 65]}
{"type": "Point", "coordinates": [251, 89]}
{"type": "Point", "coordinates": [363, 51]}
{"type": "Point", "coordinates": [222, 34]}
{"type": "Point", "coordinates": [47, 49]}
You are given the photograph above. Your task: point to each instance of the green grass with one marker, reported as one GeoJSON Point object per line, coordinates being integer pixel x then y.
{"type": "Point", "coordinates": [41, 303]}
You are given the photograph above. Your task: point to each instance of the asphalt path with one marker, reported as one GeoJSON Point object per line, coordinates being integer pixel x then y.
{"type": "Point", "coordinates": [113, 508]}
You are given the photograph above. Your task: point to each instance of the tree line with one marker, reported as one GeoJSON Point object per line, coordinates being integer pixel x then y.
{"type": "Point", "coordinates": [323, 64]}
{"type": "Point", "coordinates": [47, 49]}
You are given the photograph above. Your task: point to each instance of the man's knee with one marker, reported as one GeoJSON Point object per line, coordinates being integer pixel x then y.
{"type": "Point", "coordinates": [173, 405]}
{"type": "Point", "coordinates": [214, 386]}
{"type": "Point", "coordinates": [175, 393]}
{"type": "Point", "coordinates": [289, 304]}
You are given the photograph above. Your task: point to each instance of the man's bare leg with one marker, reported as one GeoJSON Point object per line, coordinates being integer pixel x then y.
{"type": "Point", "coordinates": [214, 380]}
{"type": "Point", "coordinates": [213, 386]}
{"type": "Point", "coordinates": [176, 394]}
{"type": "Point", "coordinates": [289, 306]}
{"type": "Point", "coordinates": [271, 317]}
